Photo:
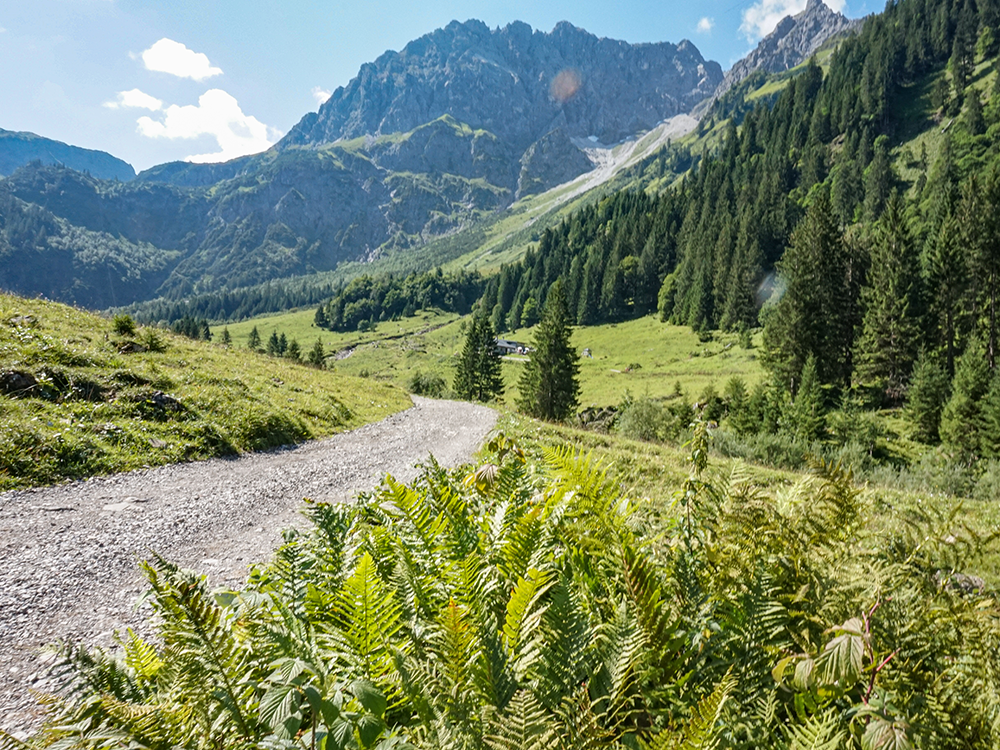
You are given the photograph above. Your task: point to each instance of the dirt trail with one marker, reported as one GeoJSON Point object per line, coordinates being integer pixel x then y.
{"type": "Point", "coordinates": [68, 554]}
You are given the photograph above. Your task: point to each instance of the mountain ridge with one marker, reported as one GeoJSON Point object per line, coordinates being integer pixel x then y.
{"type": "Point", "coordinates": [18, 148]}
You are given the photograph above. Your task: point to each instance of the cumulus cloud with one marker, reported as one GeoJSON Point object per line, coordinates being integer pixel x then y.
{"type": "Point", "coordinates": [135, 99]}
{"type": "Point", "coordinates": [705, 25]}
{"type": "Point", "coordinates": [760, 19]}
{"type": "Point", "coordinates": [320, 94]}
{"type": "Point", "coordinates": [218, 115]}
{"type": "Point", "coordinates": [168, 56]}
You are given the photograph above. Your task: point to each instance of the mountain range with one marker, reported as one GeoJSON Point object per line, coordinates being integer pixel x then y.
{"type": "Point", "coordinates": [446, 133]}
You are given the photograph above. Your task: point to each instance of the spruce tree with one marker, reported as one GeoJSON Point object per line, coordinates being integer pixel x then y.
{"type": "Point", "coordinates": [479, 376]}
{"type": "Point", "coordinates": [549, 386]}
{"type": "Point", "coordinates": [320, 318]}
{"type": "Point", "coordinates": [227, 339]}
{"type": "Point", "coordinates": [294, 352]}
{"type": "Point", "coordinates": [253, 340]}
{"type": "Point", "coordinates": [926, 397]}
{"type": "Point", "coordinates": [274, 344]}
{"type": "Point", "coordinates": [890, 333]}
{"type": "Point", "coordinates": [961, 419]}
{"type": "Point", "coordinates": [814, 315]}
{"type": "Point", "coordinates": [805, 417]}
{"type": "Point", "coordinates": [317, 355]}
{"type": "Point", "coordinates": [947, 284]}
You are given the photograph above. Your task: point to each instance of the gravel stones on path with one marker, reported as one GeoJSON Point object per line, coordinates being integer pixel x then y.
{"type": "Point", "coordinates": [69, 554]}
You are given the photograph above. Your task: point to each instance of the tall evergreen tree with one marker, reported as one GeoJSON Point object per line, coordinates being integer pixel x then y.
{"type": "Point", "coordinates": [549, 385]}
{"type": "Point", "coordinates": [479, 376]}
{"type": "Point", "coordinates": [805, 417]}
{"type": "Point", "coordinates": [947, 284]}
{"type": "Point", "coordinates": [890, 334]}
{"type": "Point", "coordinates": [926, 397]}
{"type": "Point", "coordinates": [961, 419]}
{"type": "Point", "coordinates": [980, 218]}
{"type": "Point", "coordinates": [253, 340]}
{"type": "Point", "coordinates": [814, 314]}
{"type": "Point", "coordinates": [317, 355]}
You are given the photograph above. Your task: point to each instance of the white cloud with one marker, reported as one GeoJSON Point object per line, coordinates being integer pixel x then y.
{"type": "Point", "coordinates": [320, 94]}
{"type": "Point", "coordinates": [760, 19]}
{"type": "Point", "coordinates": [705, 25]}
{"type": "Point", "coordinates": [218, 115]}
{"type": "Point", "coordinates": [135, 99]}
{"type": "Point", "coordinates": [168, 56]}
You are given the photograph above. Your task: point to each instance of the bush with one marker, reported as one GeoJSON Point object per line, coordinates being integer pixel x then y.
{"type": "Point", "coordinates": [642, 419]}
{"type": "Point", "coordinates": [152, 341]}
{"type": "Point", "coordinates": [123, 325]}
{"type": "Point", "coordinates": [427, 384]}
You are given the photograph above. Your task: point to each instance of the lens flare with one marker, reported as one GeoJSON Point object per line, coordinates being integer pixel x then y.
{"type": "Point", "coordinates": [565, 85]}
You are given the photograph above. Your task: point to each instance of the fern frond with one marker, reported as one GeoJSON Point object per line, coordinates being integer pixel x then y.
{"type": "Point", "coordinates": [703, 729]}
{"type": "Point", "coordinates": [525, 725]}
{"type": "Point", "coordinates": [819, 732]}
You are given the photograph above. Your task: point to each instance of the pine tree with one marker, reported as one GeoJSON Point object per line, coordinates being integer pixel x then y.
{"type": "Point", "coordinates": [989, 438]}
{"type": "Point", "coordinates": [814, 315]}
{"type": "Point", "coordinates": [980, 221]}
{"type": "Point", "coordinates": [890, 334]}
{"type": "Point", "coordinates": [947, 283]}
{"type": "Point", "coordinates": [961, 419]}
{"type": "Point", "coordinates": [317, 355]}
{"type": "Point", "coordinates": [227, 339]}
{"type": "Point", "coordinates": [294, 352]}
{"type": "Point", "coordinates": [479, 376]}
{"type": "Point", "coordinates": [974, 121]}
{"type": "Point", "coordinates": [253, 340]}
{"type": "Point", "coordinates": [549, 386]}
{"type": "Point", "coordinates": [805, 417]}
{"type": "Point", "coordinates": [274, 344]}
{"type": "Point", "coordinates": [926, 397]}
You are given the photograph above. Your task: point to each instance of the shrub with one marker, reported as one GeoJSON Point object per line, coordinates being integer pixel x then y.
{"type": "Point", "coordinates": [123, 325]}
{"type": "Point", "coordinates": [642, 419]}
{"type": "Point", "coordinates": [427, 384]}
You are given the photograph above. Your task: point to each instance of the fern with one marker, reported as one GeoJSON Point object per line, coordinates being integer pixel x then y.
{"type": "Point", "coordinates": [525, 725]}
{"type": "Point", "coordinates": [703, 731]}
{"type": "Point", "coordinates": [820, 732]}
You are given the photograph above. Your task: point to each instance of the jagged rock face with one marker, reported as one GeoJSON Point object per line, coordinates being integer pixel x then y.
{"type": "Point", "coordinates": [791, 43]}
{"type": "Point", "coordinates": [516, 83]}
{"type": "Point", "coordinates": [550, 161]}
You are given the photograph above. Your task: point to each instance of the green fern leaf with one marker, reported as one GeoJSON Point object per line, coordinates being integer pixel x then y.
{"type": "Point", "coordinates": [820, 732]}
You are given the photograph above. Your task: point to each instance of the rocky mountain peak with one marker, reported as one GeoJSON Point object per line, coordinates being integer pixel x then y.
{"type": "Point", "coordinates": [517, 83]}
{"type": "Point", "coordinates": [792, 42]}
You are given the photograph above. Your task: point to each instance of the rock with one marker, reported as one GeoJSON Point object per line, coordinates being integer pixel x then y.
{"type": "Point", "coordinates": [17, 383]}
{"type": "Point", "coordinates": [550, 161]}
{"type": "Point", "coordinates": [517, 84]}
{"type": "Point", "coordinates": [792, 42]}
{"type": "Point", "coordinates": [130, 347]}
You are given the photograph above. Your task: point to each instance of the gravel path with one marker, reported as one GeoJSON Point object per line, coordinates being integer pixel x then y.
{"type": "Point", "coordinates": [68, 554]}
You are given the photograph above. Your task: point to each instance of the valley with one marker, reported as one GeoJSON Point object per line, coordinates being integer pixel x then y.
{"type": "Point", "coordinates": [709, 359]}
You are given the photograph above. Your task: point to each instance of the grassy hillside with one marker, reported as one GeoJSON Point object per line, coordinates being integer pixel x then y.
{"type": "Point", "coordinates": [74, 402]}
{"type": "Point", "coordinates": [430, 341]}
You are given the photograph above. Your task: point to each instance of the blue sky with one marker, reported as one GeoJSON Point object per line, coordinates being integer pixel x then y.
{"type": "Point", "coordinates": [211, 79]}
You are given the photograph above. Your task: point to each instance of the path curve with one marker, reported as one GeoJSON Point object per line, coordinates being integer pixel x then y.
{"type": "Point", "coordinates": [68, 554]}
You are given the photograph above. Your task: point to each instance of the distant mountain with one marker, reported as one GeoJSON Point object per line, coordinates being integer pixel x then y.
{"type": "Point", "coordinates": [19, 149]}
{"type": "Point", "coordinates": [792, 42]}
{"type": "Point", "coordinates": [517, 84]}
{"type": "Point", "coordinates": [422, 143]}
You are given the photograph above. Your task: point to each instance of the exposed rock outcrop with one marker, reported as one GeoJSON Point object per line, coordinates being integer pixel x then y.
{"type": "Point", "coordinates": [791, 43]}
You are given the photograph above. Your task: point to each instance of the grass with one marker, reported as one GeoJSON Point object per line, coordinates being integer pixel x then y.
{"type": "Point", "coordinates": [431, 341]}
{"type": "Point", "coordinates": [652, 473]}
{"type": "Point", "coordinates": [96, 410]}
